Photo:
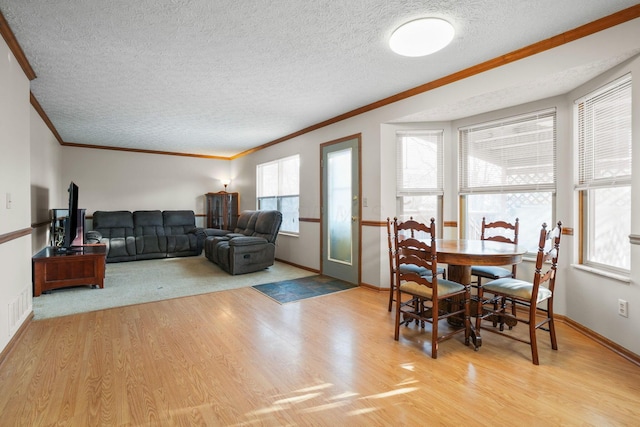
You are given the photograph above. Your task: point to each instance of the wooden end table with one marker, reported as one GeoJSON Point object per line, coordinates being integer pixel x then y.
{"type": "Point", "coordinates": [85, 265]}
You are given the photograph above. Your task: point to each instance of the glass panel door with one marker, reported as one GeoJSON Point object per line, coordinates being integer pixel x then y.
{"type": "Point", "coordinates": [341, 210]}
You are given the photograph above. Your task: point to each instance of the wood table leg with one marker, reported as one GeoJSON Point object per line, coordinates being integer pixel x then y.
{"type": "Point", "coordinates": [462, 274]}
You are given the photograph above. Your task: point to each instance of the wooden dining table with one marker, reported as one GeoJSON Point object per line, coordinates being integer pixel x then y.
{"type": "Point", "coordinates": [460, 255]}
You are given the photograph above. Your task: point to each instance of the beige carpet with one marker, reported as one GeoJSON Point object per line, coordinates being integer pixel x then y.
{"type": "Point", "coordinates": [138, 282]}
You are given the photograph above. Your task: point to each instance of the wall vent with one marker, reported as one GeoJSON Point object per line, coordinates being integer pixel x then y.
{"type": "Point", "coordinates": [18, 311]}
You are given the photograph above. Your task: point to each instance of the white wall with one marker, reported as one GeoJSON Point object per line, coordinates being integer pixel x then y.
{"type": "Point", "coordinates": [15, 254]}
{"type": "Point", "coordinates": [120, 180]}
{"type": "Point", "coordinates": [47, 190]}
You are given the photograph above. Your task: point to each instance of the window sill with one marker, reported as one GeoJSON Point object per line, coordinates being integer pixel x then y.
{"type": "Point", "coordinates": [288, 233]}
{"type": "Point", "coordinates": [607, 274]}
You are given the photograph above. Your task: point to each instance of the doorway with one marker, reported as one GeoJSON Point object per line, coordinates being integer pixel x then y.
{"type": "Point", "coordinates": [340, 209]}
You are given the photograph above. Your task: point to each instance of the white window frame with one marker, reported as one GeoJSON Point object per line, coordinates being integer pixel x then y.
{"type": "Point", "coordinates": [602, 125]}
{"type": "Point", "coordinates": [407, 186]}
{"type": "Point", "coordinates": [286, 189]}
{"type": "Point", "coordinates": [510, 156]}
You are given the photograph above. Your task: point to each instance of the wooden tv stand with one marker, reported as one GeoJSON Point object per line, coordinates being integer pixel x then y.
{"type": "Point", "coordinates": [83, 266]}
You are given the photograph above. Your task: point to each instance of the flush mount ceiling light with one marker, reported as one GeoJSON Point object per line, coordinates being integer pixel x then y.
{"type": "Point", "coordinates": [421, 37]}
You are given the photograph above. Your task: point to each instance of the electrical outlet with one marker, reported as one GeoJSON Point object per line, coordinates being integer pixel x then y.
{"type": "Point", "coordinates": [623, 308]}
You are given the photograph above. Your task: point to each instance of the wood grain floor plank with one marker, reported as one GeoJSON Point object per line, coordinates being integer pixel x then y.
{"type": "Point", "coordinates": [237, 358]}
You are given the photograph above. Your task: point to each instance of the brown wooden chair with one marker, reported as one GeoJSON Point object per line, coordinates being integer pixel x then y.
{"type": "Point", "coordinates": [392, 265]}
{"type": "Point", "coordinates": [447, 298]}
{"type": "Point", "coordinates": [498, 231]}
{"type": "Point", "coordinates": [532, 295]}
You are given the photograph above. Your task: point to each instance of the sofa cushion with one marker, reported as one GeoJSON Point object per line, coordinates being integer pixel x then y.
{"type": "Point", "coordinates": [151, 241]}
{"type": "Point", "coordinates": [242, 225]}
{"type": "Point", "coordinates": [117, 232]}
{"type": "Point", "coordinates": [183, 237]}
{"type": "Point", "coordinates": [182, 244]}
{"type": "Point", "coordinates": [179, 222]}
{"type": "Point", "coordinates": [251, 226]}
{"type": "Point", "coordinates": [148, 222]}
{"type": "Point", "coordinates": [113, 220]}
{"type": "Point", "coordinates": [267, 225]}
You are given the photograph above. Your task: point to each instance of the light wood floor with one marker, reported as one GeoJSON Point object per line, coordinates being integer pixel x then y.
{"type": "Point", "coordinates": [236, 358]}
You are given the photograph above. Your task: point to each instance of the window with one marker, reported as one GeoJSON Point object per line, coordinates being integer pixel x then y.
{"type": "Point", "coordinates": [603, 125]}
{"type": "Point", "coordinates": [419, 186]}
{"type": "Point", "coordinates": [278, 188]}
{"type": "Point", "coordinates": [507, 171]}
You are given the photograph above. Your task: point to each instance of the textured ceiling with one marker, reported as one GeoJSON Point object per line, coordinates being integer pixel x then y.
{"type": "Point", "coordinates": [221, 77]}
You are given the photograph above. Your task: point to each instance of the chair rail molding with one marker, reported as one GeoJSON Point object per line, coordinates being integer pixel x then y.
{"type": "Point", "coordinates": [4, 238]}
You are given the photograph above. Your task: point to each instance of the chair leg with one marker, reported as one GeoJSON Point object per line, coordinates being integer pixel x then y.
{"type": "Point", "coordinates": [480, 310]}
{"type": "Point", "coordinates": [503, 312]}
{"type": "Point", "coordinates": [434, 329]}
{"type": "Point", "coordinates": [467, 315]}
{"type": "Point", "coordinates": [397, 325]}
{"type": "Point", "coordinates": [513, 310]}
{"type": "Point", "coordinates": [391, 291]}
{"type": "Point", "coordinates": [498, 309]}
{"type": "Point", "coordinates": [552, 331]}
{"type": "Point", "coordinates": [532, 335]}
{"type": "Point", "coordinates": [552, 326]}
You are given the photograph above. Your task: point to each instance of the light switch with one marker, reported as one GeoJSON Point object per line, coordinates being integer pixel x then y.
{"type": "Point", "coordinates": [8, 200]}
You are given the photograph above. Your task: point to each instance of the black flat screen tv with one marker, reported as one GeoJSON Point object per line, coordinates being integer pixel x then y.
{"type": "Point", "coordinates": [71, 223]}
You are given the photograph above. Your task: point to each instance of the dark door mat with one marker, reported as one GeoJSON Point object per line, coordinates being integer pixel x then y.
{"type": "Point", "coordinates": [305, 287]}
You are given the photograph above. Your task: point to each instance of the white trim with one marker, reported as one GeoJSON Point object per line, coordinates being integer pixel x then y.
{"type": "Point", "coordinates": [607, 274]}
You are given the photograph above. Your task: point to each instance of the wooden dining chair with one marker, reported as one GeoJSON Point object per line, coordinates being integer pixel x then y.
{"type": "Point", "coordinates": [497, 231]}
{"type": "Point", "coordinates": [532, 295]}
{"type": "Point", "coordinates": [392, 264]}
{"type": "Point", "coordinates": [448, 299]}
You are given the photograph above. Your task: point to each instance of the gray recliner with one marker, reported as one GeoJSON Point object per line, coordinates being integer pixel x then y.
{"type": "Point", "coordinates": [249, 247]}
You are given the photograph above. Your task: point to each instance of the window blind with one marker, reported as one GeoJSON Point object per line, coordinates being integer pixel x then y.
{"type": "Point", "coordinates": [515, 154]}
{"type": "Point", "coordinates": [279, 177]}
{"type": "Point", "coordinates": [420, 162]}
{"type": "Point", "coordinates": [604, 136]}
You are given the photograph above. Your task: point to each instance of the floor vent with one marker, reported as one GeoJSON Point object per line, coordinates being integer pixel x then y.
{"type": "Point", "coordinates": [18, 310]}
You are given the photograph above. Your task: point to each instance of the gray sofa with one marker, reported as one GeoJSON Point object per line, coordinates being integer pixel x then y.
{"type": "Point", "coordinates": [250, 247]}
{"type": "Point", "coordinates": [131, 236]}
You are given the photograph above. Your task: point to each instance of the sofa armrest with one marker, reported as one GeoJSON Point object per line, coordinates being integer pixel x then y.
{"type": "Point", "coordinates": [247, 241]}
{"type": "Point", "coordinates": [200, 232]}
{"type": "Point", "coordinates": [92, 236]}
{"type": "Point", "coordinates": [234, 235]}
{"type": "Point", "coordinates": [214, 232]}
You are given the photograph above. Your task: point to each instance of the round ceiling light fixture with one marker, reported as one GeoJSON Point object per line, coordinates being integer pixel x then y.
{"type": "Point", "coordinates": [421, 37]}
